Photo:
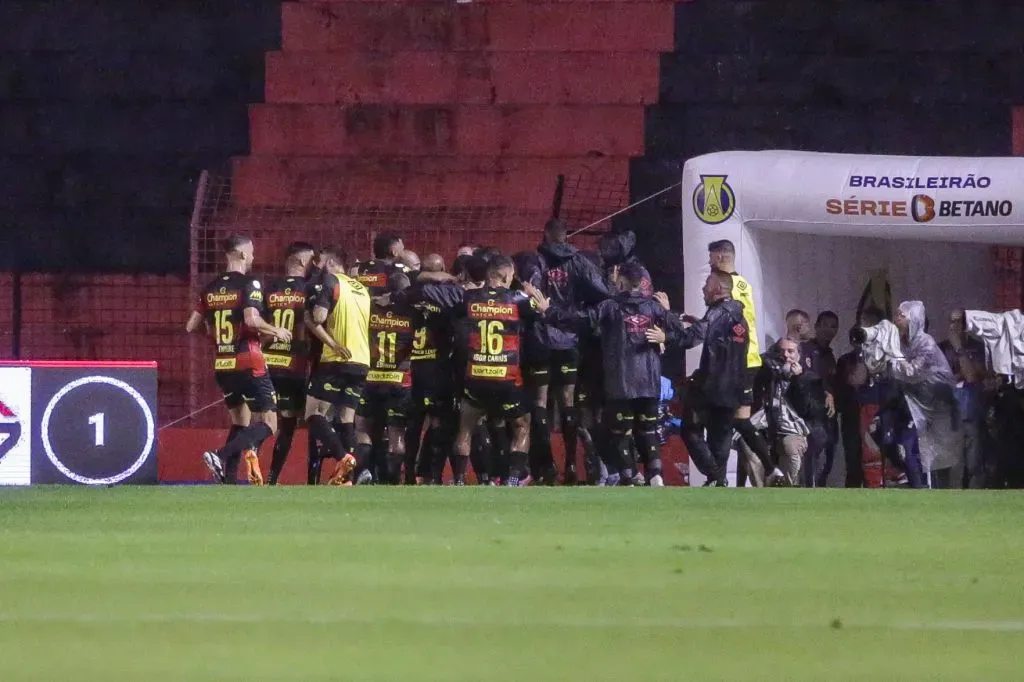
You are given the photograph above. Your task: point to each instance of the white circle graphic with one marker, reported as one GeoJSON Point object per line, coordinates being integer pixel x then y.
{"type": "Point", "coordinates": [44, 428]}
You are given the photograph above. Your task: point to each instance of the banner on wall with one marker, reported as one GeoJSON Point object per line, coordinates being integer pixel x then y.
{"type": "Point", "coordinates": [810, 229]}
{"type": "Point", "coordinates": [87, 423]}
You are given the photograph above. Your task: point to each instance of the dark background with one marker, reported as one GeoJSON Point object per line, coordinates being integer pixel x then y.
{"type": "Point", "coordinates": [109, 109]}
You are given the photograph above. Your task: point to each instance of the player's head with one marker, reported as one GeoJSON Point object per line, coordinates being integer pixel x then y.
{"type": "Point", "coordinates": [411, 260]}
{"type": "Point", "coordinates": [476, 270]}
{"type": "Point", "coordinates": [298, 258]}
{"type": "Point", "coordinates": [239, 252]}
{"type": "Point", "coordinates": [466, 249]}
{"type": "Point", "coordinates": [500, 272]}
{"type": "Point", "coordinates": [798, 324]}
{"type": "Point", "coordinates": [433, 263]}
{"type": "Point", "coordinates": [722, 255]}
{"type": "Point", "coordinates": [387, 245]}
{"type": "Point", "coordinates": [630, 277]}
{"type": "Point", "coordinates": [555, 232]}
{"type": "Point", "coordinates": [334, 259]}
{"type": "Point", "coordinates": [398, 281]}
{"type": "Point", "coordinates": [717, 287]}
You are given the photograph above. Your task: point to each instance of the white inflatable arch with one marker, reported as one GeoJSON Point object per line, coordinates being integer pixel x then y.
{"type": "Point", "coordinates": [812, 230]}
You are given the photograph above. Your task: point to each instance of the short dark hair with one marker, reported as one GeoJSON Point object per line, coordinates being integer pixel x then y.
{"type": "Point", "coordinates": [476, 269]}
{"type": "Point", "coordinates": [499, 263]}
{"type": "Point", "coordinates": [335, 253]}
{"type": "Point", "coordinates": [488, 253]}
{"type": "Point", "coordinates": [398, 281]}
{"type": "Point", "coordinates": [724, 280]}
{"type": "Point", "coordinates": [556, 231]}
{"type": "Point", "coordinates": [235, 242]}
{"type": "Point", "coordinates": [634, 274]}
{"type": "Point", "coordinates": [722, 246]}
{"type": "Point", "coordinates": [826, 315]}
{"type": "Point", "coordinates": [796, 312]}
{"type": "Point", "coordinates": [382, 244]}
{"type": "Point", "coordinates": [295, 248]}
{"type": "Point", "coordinates": [461, 265]}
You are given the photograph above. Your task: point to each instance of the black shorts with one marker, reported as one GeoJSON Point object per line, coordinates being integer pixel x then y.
{"type": "Point", "coordinates": [497, 399]}
{"type": "Point", "coordinates": [242, 387]}
{"type": "Point", "coordinates": [638, 413]}
{"type": "Point", "coordinates": [291, 392]}
{"type": "Point", "coordinates": [340, 386]}
{"type": "Point", "coordinates": [554, 367]}
{"type": "Point", "coordinates": [433, 389]}
{"type": "Point", "coordinates": [748, 386]}
{"type": "Point", "coordinates": [387, 404]}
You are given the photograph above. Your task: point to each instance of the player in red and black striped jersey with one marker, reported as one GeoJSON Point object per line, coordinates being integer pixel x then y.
{"type": "Point", "coordinates": [386, 401]}
{"type": "Point", "coordinates": [375, 274]}
{"type": "Point", "coordinates": [231, 307]}
{"type": "Point", "coordinates": [433, 397]}
{"type": "Point", "coordinates": [288, 361]}
{"type": "Point", "coordinates": [490, 322]}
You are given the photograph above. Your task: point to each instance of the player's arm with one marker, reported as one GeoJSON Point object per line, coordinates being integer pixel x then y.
{"type": "Point", "coordinates": [195, 323]}
{"type": "Point", "coordinates": [253, 314]}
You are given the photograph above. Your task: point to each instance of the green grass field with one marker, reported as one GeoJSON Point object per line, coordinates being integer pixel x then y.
{"type": "Point", "coordinates": [205, 583]}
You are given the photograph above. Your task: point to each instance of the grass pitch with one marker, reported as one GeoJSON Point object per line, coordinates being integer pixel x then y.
{"type": "Point", "coordinates": [204, 583]}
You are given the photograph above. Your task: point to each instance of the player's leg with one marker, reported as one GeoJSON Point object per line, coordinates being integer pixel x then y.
{"type": "Point", "coordinates": [469, 416]}
{"type": "Point", "coordinates": [518, 466]}
{"type": "Point", "coordinates": [290, 399]}
{"type": "Point", "coordinates": [564, 374]}
{"type": "Point", "coordinates": [231, 389]}
{"type": "Point", "coordinates": [364, 425]}
{"type": "Point", "coordinates": [415, 441]}
{"type": "Point", "coordinates": [258, 392]}
{"type": "Point", "coordinates": [396, 419]}
{"type": "Point", "coordinates": [542, 463]}
{"type": "Point", "coordinates": [645, 434]}
{"type": "Point", "coordinates": [619, 418]}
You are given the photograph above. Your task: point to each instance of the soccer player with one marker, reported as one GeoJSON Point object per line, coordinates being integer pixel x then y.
{"type": "Point", "coordinates": [489, 322]}
{"type": "Point", "coordinates": [387, 253]}
{"type": "Point", "coordinates": [340, 320]}
{"type": "Point", "coordinates": [632, 377]}
{"type": "Point", "coordinates": [387, 396]}
{"type": "Point", "coordinates": [231, 307]}
{"type": "Point", "coordinates": [288, 360]}
{"type": "Point", "coordinates": [433, 399]}
{"type": "Point", "coordinates": [722, 259]}
{"type": "Point", "coordinates": [567, 278]}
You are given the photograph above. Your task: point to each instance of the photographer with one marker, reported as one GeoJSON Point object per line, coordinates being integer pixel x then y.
{"type": "Point", "coordinates": [789, 407]}
{"type": "Point", "coordinates": [920, 372]}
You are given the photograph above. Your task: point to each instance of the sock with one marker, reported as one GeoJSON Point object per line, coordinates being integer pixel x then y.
{"type": "Point", "coordinates": [570, 434]}
{"type": "Point", "coordinates": [518, 469]}
{"type": "Point", "coordinates": [362, 454]}
{"type": "Point", "coordinates": [283, 445]}
{"type": "Point", "coordinates": [232, 432]}
{"type": "Point", "coordinates": [479, 450]}
{"type": "Point", "coordinates": [251, 436]}
{"type": "Point", "coordinates": [313, 459]}
{"type": "Point", "coordinates": [347, 436]}
{"type": "Point", "coordinates": [321, 429]}
{"type": "Point", "coordinates": [394, 467]}
{"type": "Point", "coordinates": [650, 449]}
{"type": "Point", "coordinates": [414, 438]}
{"type": "Point", "coordinates": [459, 465]}
{"type": "Point", "coordinates": [540, 441]}
{"type": "Point", "coordinates": [498, 454]}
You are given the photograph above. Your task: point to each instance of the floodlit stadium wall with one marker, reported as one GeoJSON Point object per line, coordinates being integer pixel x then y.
{"type": "Point", "coordinates": [829, 231]}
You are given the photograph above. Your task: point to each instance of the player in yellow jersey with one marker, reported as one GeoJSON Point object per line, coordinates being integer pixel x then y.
{"type": "Point", "coordinates": [722, 258]}
{"type": "Point", "coordinates": [340, 319]}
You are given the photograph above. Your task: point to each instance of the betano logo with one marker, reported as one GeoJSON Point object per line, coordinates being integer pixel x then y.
{"type": "Point", "coordinates": [713, 200]}
{"type": "Point", "coordinates": [10, 429]}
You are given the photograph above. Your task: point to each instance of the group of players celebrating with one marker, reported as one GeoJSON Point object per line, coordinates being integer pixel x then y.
{"type": "Point", "coordinates": [400, 368]}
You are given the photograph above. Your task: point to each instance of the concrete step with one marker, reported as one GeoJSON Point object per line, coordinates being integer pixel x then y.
{"type": "Point", "coordinates": [469, 130]}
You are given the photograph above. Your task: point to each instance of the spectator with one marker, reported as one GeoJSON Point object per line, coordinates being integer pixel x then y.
{"type": "Point", "coordinates": [966, 357]}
